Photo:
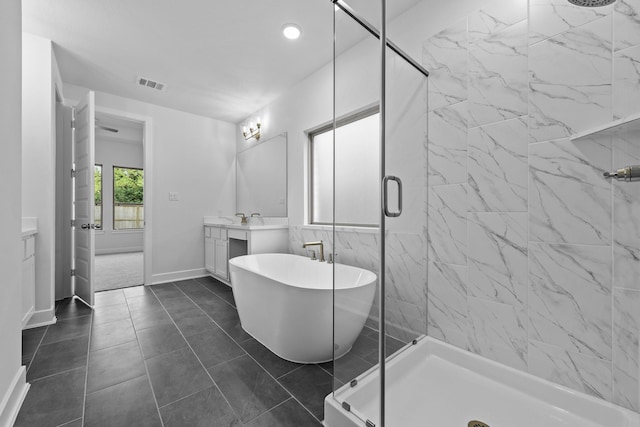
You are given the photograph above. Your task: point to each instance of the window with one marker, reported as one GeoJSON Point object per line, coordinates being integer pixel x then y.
{"type": "Point", "coordinates": [128, 198]}
{"type": "Point", "coordinates": [357, 158]}
{"type": "Point", "coordinates": [97, 196]}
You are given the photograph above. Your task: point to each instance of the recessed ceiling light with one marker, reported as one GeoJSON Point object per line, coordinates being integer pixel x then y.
{"type": "Point", "coordinates": [291, 31]}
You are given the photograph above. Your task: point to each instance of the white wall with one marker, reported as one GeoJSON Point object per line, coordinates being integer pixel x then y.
{"type": "Point", "coordinates": [193, 156]}
{"type": "Point", "coordinates": [40, 79]}
{"type": "Point", "coordinates": [12, 380]}
{"type": "Point", "coordinates": [110, 153]}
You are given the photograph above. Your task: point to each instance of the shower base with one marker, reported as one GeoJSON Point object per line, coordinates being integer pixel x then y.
{"type": "Point", "coordinates": [436, 384]}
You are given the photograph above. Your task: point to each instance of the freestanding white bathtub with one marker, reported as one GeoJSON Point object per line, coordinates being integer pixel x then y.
{"type": "Point", "coordinates": [435, 384]}
{"type": "Point", "coordinates": [286, 303]}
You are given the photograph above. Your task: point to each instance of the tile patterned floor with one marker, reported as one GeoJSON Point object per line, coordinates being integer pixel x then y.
{"type": "Point", "coordinates": [171, 355]}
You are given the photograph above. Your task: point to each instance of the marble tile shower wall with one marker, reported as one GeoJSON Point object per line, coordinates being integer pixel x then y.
{"type": "Point", "coordinates": [534, 258]}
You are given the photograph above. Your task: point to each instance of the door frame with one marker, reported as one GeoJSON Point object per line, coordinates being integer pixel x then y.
{"type": "Point", "coordinates": [147, 151]}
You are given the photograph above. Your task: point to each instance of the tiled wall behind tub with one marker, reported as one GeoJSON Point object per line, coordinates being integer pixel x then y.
{"type": "Point", "coordinates": [534, 256]}
{"type": "Point", "coordinates": [406, 247]}
{"type": "Point", "coordinates": [406, 272]}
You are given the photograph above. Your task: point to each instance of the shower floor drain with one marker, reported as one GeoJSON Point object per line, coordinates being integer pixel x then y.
{"type": "Point", "coordinates": [477, 424]}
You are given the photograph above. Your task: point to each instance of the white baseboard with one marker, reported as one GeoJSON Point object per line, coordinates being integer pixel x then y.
{"type": "Point", "coordinates": [13, 398]}
{"type": "Point", "coordinates": [27, 316]}
{"type": "Point", "coordinates": [178, 275]}
{"type": "Point", "coordinates": [42, 318]}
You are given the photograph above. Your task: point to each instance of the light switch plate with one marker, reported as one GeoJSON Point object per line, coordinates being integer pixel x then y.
{"type": "Point", "coordinates": [173, 196]}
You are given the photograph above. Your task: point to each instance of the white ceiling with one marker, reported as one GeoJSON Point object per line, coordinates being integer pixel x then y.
{"type": "Point", "coordinates": [220, 59]}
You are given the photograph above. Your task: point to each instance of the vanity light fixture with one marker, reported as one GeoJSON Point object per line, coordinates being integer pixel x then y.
{"type": "Point", "coordinates": [253, 131]}
{"type": "Point", "coordinates": [291, 31]}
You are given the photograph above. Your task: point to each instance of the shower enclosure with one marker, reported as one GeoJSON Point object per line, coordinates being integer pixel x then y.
{"type": "Point", "coordinates": [379, 86]}
{"type": "Point", "coordinates": [493, 225]}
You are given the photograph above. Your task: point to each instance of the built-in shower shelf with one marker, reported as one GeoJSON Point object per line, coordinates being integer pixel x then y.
{"type": "Point", "coordinates": [622, 126]}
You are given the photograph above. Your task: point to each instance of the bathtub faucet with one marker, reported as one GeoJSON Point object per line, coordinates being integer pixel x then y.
{"type": "Point", "coordinates": [320, 243]}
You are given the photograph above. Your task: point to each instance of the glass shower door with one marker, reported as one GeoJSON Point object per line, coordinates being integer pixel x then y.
{"type": "Point", "coordinates": [386, 235]}
{"type": "Point", "coordinates": [404, 241]}
{"type": "Point", "coordinates": [356, 204]}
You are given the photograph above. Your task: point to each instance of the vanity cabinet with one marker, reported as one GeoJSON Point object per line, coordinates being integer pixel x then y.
{"type": "Point", "coordinates": [209, 250]}
{"type": "Point", "coordinates": [216, 249]}
{"type": "Point", "coordinates": [28, 277]}
{"type": "Point", "coordinates": [223, 242]}
{"type": "Point", "coordinates": [222, 257]}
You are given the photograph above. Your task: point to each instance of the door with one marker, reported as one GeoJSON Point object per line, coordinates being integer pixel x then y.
{"type": "Point", "coordinates": [84, 159]}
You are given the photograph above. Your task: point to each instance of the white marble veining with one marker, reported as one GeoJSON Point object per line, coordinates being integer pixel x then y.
{"type": "Point", "coordinates": [569, 199]}
{"type": "Point", "coordinates": [626, 333]}
{"type": "Point", "coordinates": [447, 303]}
{"type": "Point", "coordinates": [405, 321]}
{"type": "Point", "coordinates": [498, 257]}
{"type": "Point", "coordinates": [406, 268]}
{"type": "Point", "coordinates": [626, 24]}
{"type": "Point", "coordinates": [447, 223]}
{"type": "Point", "coordinates": [359, 249]}
{"type": "Point", "coordinates": [497, 166]}
{"type": "Point", "coordinates": [406, 123]}
{"type": "Point", "coordinates": [626, 82]}
{"type": "Point", "coordinates": [538, 294]}
{"type": "Point", "coordinates": [626, 214]}
{"type": "Point", "coordinates": [570, 81]}
{"type": "Point", "coordinates": [496, 16]}
{"type": "Point", "coordinates": [498, 76]}
{"type": "Point", "coordinates": [499, 332]}
{"type": "Point", "coordinates": [551, 17]}
{"type": "Point", "coordinates": [405, 273]}
{"type": "Point", "coordinates": [570, 297]}
{"type": "Point", "coordinates": [587, 374]}
{"type": "Point", "coordinates": [445, 56]}
{"type": "Point", "coordinates": [447, 145]}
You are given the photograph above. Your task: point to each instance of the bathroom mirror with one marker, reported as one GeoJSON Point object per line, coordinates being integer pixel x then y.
{"type": "Point", "coordinates": [261, 178]}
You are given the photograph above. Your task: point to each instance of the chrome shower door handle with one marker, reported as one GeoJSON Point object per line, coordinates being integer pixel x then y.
{"type": "Point", "coordinates": [385, 198]}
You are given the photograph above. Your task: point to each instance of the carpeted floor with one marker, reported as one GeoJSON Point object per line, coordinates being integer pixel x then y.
{"type": "Point", "coordinates": [116, 271]}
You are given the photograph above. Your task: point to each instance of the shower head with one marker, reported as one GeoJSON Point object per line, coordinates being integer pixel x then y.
{"type": "Point", "coordinates": [592, 3]}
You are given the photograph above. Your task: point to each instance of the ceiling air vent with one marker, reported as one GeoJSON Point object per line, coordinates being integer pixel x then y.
{"type": "Point", "coordinates": [143, 81]}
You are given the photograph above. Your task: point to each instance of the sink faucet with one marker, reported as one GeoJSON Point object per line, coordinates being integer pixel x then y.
{"type": "Point", "coordinates": [243, 218]}
{"type": "Point", "coordinates": [320, 243]}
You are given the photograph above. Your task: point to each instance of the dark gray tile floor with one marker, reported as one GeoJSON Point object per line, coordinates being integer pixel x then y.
{"type": "Point", "coordinates": [172, 355]}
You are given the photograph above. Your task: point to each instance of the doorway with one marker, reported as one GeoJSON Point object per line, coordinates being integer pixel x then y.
{"type": "Point", "coordinates": [134, 130]}
{"type": "Point", "coordinates": [119, 202]}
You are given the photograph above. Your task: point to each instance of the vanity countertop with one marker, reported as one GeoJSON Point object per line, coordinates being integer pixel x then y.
{"type": "Point", "coordinates": [250, 227]}
{"type": "Point", "coordinates": [255, 224]}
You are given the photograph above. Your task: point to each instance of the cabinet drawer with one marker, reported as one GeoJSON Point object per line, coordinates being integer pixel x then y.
{"type": "Point", "coordinates": [237, 234]}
